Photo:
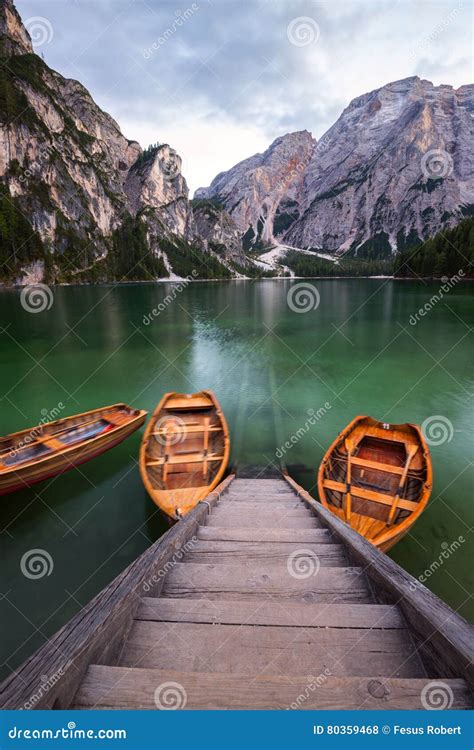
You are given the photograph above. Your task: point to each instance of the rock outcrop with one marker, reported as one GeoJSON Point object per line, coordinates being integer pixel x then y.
{"type": "Point", "coordinates": [74, 175]}
{"type": "Point", "coordinates": [217, 232]}
{"type": "Point", "coordinates": [396, 167]}
{"type": "Point", "coordinates": [263, 193]}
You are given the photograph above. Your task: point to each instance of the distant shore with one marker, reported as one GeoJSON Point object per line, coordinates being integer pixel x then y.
{"type": "Point", "coordinates": [11, 286]}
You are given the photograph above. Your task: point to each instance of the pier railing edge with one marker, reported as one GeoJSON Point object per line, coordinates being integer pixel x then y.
{"type": "Point", "coordinates": [51, 676]}
{"type": "Point", "coordinates": [444, 637]}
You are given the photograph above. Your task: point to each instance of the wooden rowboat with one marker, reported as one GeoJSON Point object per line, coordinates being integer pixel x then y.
{"type": "Point", "coordinates": [184, 452]}
{"type": "Point", "coordinates": [377, 478]}
{"type": "Point", "coordinates": [52, 448]}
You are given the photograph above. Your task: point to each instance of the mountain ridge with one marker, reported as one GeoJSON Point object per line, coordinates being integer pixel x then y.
{"type": "Point", "coordinates": [399, 156]}
{"type": "Point", "coordinates": [394, 169]}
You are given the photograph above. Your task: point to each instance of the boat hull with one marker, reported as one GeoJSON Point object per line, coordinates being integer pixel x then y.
{"type": "Point", "coordinates": [377, 478]}
{"type": "Point", "coordinates": [57, 463]}
{"type": "Point", "coordinates": [184, 452]}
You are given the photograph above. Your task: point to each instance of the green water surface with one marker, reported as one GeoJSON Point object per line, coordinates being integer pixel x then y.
{"type": "Point", "coordinates": [270, 365]}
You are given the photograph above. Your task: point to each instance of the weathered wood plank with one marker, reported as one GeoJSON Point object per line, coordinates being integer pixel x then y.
{"type": "Point", "coordinates": [121, 687]}
{"type": "Point", "coordinates": [198, 580]}
{"type": "Point", "coordinates": [267, 612]}
{"type": "Point", "coordinates": [261, 521]}
{"type": "Point", "coordinates": [445, 639]}
{"type": "Point", "coordinates": [265, 512]}
{"type": "Point", "coordinates": [254, 649]}
{"type": "Point", "coordinates": [263, 552]}
{"type": "Point", "coordinates": [97, 632]}
{"type": "Point", "coordinates": [270, 534]}
{"type": "Point", "coordinates": [244, 505]}
{"type": "Point", "coordinates": [258, 497]}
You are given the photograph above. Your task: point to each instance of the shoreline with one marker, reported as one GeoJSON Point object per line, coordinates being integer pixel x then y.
{"type": "Point", "coordinates": [443, 279]}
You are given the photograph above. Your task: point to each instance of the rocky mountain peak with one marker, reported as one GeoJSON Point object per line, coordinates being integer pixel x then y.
{"type": "Point", "coordinates": [14, 38]}
{"type": "Point", "coordinates": [155, 182]}
{"type": "Point", "coordinates": [264, 186]}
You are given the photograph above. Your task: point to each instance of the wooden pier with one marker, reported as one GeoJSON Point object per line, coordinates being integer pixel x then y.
{"type": "Point", "coordinates": [262, 599]}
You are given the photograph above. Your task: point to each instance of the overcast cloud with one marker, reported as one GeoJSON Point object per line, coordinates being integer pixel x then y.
{"type": "Point", "coordinates": [230, 76]}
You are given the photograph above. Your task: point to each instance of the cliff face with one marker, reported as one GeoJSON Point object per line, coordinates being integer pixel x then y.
{"type": "Point", "coordinates": [71, 171]}
{"type": "Point", "coordinates": [397, 164]}
{"type": "Point", "coordinates": [396, 167]}
{"type": "Point", "coordinates": [263, 193]}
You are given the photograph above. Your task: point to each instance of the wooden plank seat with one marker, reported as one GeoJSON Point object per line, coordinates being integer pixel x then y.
{"type": "Point", "coordinates": [377, 497]}
{"type": "Point", "coordinates": [367, 464]}
{"type": "Point", "coordinates": [188, 404]}
{"type": "Point", "coordinates": [187, 429]}
{"type": "Point", "coordinates": [183, 458]}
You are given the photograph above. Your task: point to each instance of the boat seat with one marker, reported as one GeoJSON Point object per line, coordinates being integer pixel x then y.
{"type": "Point", "coordinates": [366, 464]}
{"type": "Point", "coordinates": [187, 429]}
{"type": "Point", "coordinates": [184, 458]}
{"type": "Point", "coordinates": [375, 497]}
{"type": "Point", "coordinates": [53, 443]}
{"type": "Point", "coordinates": [188, 404]}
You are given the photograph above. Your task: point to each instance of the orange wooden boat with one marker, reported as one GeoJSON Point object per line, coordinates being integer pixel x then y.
{"type": "Point", "coordinates": [184, 452]}
{"type": "Point", "coordinates": [377, 477]}
{"type": "Point", "coordinates": [52, 448]}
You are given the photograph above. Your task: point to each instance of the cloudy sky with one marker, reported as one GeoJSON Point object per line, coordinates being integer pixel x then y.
{"type": "Point", "coordinates": [220, 79]}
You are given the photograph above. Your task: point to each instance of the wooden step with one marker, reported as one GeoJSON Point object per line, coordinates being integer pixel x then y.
{"type": "Point", "coordinates": [195, 580]}
{"type": "Point", "coordinates": [267, 612]}
{"type": "Point", "coordinates": [263, 520]}
{"type": "Point", "coordinates": [264, 511]}
{"type": "Point", "coordinates": [266, 552]}
{"type": "Point", "coordinates": [261, 504]}
{"type": "Point", "coordinates": [257, 649]}
{"type": "Point", "coordinates": [269, 534]}
{"type": "Point", "coordinates": [122, 687]}
{"type": "Point", "coordinates": [258, 492]}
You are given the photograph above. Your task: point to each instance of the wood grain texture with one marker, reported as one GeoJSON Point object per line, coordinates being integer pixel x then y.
{"type": "Point", "coordinates": [263, 552]}
{"type": "Point", "coordinates": [121, 687]}
{"type": "Point", "coordinates": [268, 612]}
{"type": "Point", "coordinates": [445, 639]}
{"type": "Point", "coordinates": [97, 632]}
{"type": "Point", "coordinates": [262, 521]}
{"type": "Point", "coordinates": [247, 582]}
{"type": "Point", "coordinates": [254, 650]}
{"type": "Point", "coordinates": [270, 534]}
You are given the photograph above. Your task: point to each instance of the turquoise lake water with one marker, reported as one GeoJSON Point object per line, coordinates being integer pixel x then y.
{"type": "Point", "coordinates": [356, 352]}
